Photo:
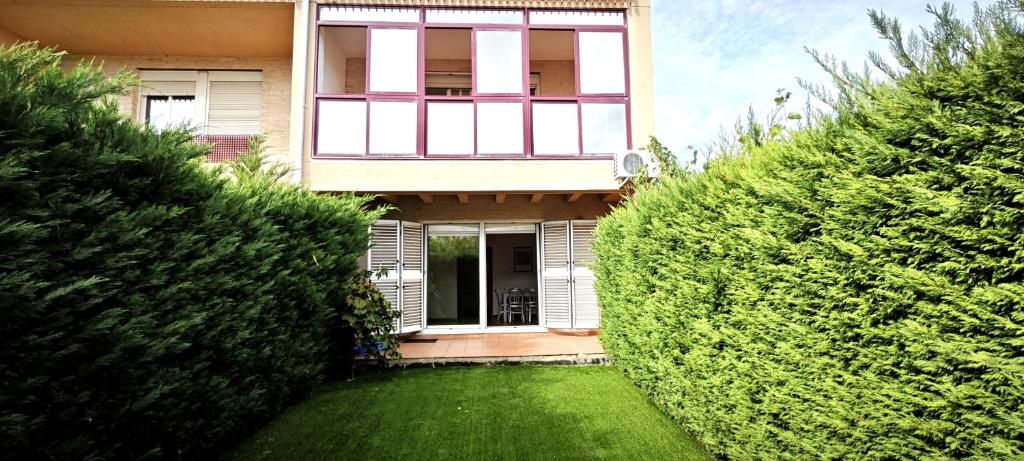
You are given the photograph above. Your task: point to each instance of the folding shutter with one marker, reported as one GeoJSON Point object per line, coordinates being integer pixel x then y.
{"type": "Point", "coordinates": [586, 313]}
{"type": "Point", "coordinates": [384, 254]}
{"type": "Point", "coordinates": [557, 297]}
{"type": "Point", "coordinates": [412, 277]}
{"type": "Point", "coordinates": [235, 103]}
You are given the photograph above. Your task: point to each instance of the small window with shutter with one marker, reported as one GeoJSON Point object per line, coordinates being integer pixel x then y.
{"type": "Point", "coordinates": [224, 107]}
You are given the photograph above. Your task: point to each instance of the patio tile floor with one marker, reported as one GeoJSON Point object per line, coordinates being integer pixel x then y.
{"type": "Point", "coordinates": [552, 343]}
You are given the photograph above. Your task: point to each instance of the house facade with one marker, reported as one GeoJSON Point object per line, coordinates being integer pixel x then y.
{"type": "Point", "coordinates": [491, 127]}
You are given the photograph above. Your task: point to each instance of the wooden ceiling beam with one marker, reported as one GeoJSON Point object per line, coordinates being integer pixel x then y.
{"type": "Point", "coordinates": [499, 198]}
{"type": "Point", "coordinates": [426, 198]}
{"type": "Point", "coordinates": [572, 198]}
{"type": "Point", "coordinates": [463, 198]}
{"type": "Point", "coordinates": [611, 198]}
{"type": "Point", "coordinates": [536, 198]}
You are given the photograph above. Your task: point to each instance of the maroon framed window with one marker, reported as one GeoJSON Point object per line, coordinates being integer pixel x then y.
{"type": "Point", "coordinates": [396, 82]}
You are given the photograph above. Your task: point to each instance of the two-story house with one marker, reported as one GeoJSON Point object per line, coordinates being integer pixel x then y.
{"type": "Point", "coordinates": [490, 126]}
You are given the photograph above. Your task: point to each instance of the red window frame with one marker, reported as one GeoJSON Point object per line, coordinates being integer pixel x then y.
{"type": "Point", "coordinates": [524, 98]}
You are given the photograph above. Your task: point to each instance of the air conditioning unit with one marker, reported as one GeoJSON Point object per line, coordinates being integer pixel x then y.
{"type": "Point", "coordinates": [630, 163]}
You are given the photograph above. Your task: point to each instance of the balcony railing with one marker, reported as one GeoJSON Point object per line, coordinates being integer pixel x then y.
{"type": "Point", "coordinates": [225, 147]}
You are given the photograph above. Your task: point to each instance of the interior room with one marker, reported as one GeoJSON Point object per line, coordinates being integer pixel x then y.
{"type": "Point", "coordinates": [512, 277]}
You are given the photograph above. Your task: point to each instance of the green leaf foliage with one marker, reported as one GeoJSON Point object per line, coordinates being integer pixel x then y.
{"type": "Point", "coordinates": [152, 308]}
{"type": "Point", "coordinates": [855, 290]}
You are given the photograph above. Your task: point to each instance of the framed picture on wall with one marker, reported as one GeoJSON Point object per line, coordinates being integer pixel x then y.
{"type": "Point", "coordinates": [523, 259]}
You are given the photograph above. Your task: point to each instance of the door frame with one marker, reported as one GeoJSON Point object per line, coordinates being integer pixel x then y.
{"type": "Point", "coordinates": [482, 326]}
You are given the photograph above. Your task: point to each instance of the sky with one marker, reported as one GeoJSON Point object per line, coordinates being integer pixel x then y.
{"type": "Point", "coordinates": [715, 58]}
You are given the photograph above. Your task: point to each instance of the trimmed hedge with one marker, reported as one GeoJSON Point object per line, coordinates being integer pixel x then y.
{"type": "Point", "coordinates": [852, 292]}
{"type": "Point", "coordinates": [152, 309]}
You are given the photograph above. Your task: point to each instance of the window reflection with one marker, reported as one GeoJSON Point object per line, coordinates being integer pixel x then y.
{"type": "Point", "coordinates": [342, 127]}
{"type": "Point", "coordinates": [499, 128]}
{"type": "Point", "coordinates": [604, 128]}
{"type": "Point", "coordinates": [499, 61]}
{"type": "Point", "coordinates": [392, 127]}
{"type": "Point", "coordinates": [602, 65]}
{"type": "Point", "coordinates": [555, 129]}
{"type": "Point", "coordinates": [449, 128]}
{"type": "Point", "coordinates": [393, 60]}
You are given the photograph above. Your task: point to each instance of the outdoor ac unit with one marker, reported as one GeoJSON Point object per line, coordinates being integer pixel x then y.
{"type": "Point", "coordinates": [631, 162]}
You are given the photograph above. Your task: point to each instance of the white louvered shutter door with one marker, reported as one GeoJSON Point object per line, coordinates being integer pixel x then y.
{"type": "Point", "coordinates": [384, 254]}
{"type": "Point", "coordinates": [586, 313]}
{"type": "Point", "coordinates": [556, 296]}
{"type": "Point", "coordinates": [235, 106]}
{"type": "Point", "coordinates": [412, 277]}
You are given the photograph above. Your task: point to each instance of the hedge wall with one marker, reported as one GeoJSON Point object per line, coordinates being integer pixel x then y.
{"type": "Point", "coordinates": [150, 309]}
{"type": "Point", "coordinates": [852, 292]}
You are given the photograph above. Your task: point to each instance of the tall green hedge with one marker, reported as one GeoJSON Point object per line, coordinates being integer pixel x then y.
{"type": "Point", "coordinates": [148, 307]}
{"type": "Point", "coordinates": [855, 291]}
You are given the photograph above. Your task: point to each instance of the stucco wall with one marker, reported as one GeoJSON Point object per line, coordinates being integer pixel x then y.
{"type": "Point", "coordinates": [276, 86]}
{"type": "Point", "coordinates": [553, 207]}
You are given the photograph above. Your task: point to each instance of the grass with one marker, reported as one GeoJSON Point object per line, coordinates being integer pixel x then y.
{"type": "Point", "coordinates": [504, 413]}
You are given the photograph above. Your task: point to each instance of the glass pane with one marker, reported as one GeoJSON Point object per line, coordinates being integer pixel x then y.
{"type": "Point", "coordinates": [341, 127]}
{"type": "Point", "coordinates": [604, 128]}
{"type": "Point", "coordinates": [453, 275]}
{"type": "Point", "coordinates": [158, 112]}
{"type": "Point", "coordinates": [393, 60]}
{"type": "Point", "coordinates": [586, 18]}
{"type": "Point", "coordinates": [475, 16]}
{"type": "Point", "coordinates": [555, 129]}
{"type": "Point", "coordinates": [602, 65]}
{"type": "Point", "coordinates": [449, 128]}
{"type": "Point", "coordinates": [369, 14]}
{"type": "Point", "coordinates": [499, 127]}
{"type": "Point", "coordinates": [342, 61]}
{"type": "Point", "coordinates": [392, 127]}
{"type": "Point", "coordinates": [499, 61]}
{"type": "Point", "coordinates": [170, 111]}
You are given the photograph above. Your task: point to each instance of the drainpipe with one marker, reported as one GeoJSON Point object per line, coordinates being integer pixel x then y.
{"type": "Point", "coordinates": [300, 73]}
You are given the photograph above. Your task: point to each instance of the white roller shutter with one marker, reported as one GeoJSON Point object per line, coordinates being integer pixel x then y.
{"type": "Point", "coordinates": [586, 313]}
{"type": "Point", "coordinates": [235, 107]}
{"type": "Point", "coordinates": [412, 277]}
{"type": "Point", "coordinates": [169, 88]}
{"type": "Point", "coordinates": [384, 254]}
{"type": "Point", "coordinates": [557, 296]}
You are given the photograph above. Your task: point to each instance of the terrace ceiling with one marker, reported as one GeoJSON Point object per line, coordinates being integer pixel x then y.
{"type": "Point", "coordinates": [146, 27]}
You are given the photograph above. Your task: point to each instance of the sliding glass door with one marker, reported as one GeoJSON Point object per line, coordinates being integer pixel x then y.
{"type": "Point", "coordinates": [453, 274]}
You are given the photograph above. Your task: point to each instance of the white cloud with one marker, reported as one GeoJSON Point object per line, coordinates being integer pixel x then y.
{"type": "Point", "coordinates": [714, 59]}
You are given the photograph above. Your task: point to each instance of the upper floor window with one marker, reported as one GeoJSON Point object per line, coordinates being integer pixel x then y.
{"type": "Point", "coordinates": [223, 107]}
{"type": "Point", "coordinates": [446, 82]}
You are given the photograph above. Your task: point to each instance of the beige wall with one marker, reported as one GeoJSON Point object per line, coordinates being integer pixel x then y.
{"type": "Point", "coordinates": [641, 72]}
{"type": "Point", "coordinates": [552, 207]}
{"type": "Point", "coordinates": [276, 86]}
{"type": "Point", "coordinates": [376, 175]}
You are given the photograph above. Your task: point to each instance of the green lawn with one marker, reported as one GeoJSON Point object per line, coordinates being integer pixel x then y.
{"type": "Point", "coordinates": [513, 413]}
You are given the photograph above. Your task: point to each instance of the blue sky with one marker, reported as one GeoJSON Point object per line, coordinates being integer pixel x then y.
{"type": "Point", "coordinates": [712, 59]}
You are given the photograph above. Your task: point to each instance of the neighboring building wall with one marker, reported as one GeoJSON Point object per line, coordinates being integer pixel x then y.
{"type": "Point", "coordinates": [552, 207]}
{"type": "Point", "coordinates": [276, 86]}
